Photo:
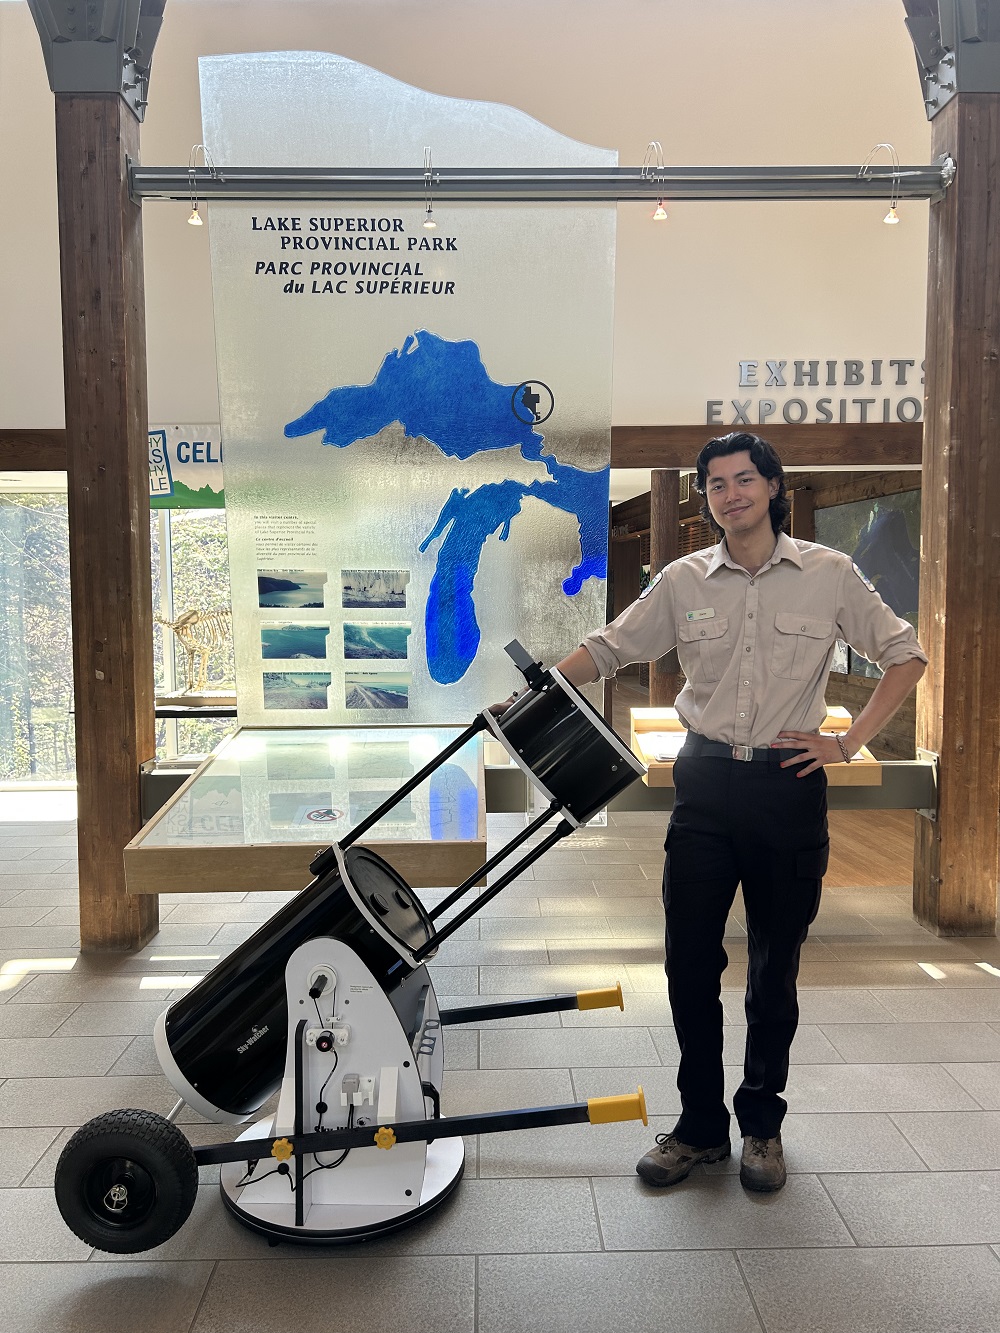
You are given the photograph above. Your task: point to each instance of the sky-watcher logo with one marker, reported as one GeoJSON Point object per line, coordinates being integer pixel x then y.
{"type": "Point", "coordinates": [254, 1037]}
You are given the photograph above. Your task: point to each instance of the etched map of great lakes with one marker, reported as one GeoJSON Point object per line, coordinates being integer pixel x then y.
{"type": "Point", "coordinates": [439, 390]}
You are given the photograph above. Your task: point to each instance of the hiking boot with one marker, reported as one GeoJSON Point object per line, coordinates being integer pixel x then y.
{"type": "Point", "coordinates": [671, 1160]}
{"type": "Point", "coordinates": [762, 1167]}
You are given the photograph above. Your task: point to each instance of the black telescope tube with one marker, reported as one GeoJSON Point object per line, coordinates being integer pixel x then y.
{"type": "Point", "coordinates": [562, 830]}
{"type": "Point", "coordinates": [478, 724]}
{"type": "Point", "coordinates": [494, 861]}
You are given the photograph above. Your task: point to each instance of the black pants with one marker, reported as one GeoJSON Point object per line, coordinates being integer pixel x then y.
{"type": "Point", "coordinates": [762, 826]}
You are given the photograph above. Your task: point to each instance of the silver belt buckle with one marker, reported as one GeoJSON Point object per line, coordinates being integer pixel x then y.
{"type": "Point", "coordinates": [743, 752]}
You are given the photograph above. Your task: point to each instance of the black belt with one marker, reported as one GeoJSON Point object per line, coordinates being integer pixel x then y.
{"type": "Point", "coordinates": [699, 747]}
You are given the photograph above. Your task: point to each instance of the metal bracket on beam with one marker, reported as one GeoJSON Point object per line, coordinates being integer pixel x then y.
{"type": "Point", "coordinates": [99, 46]}
{"type": "Point", "coordinates": [538, 184]}
{"type": "Point", "coordinates": [957, 50]}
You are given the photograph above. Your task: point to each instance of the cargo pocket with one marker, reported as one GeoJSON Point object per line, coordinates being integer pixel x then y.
{"type": "Point", "coordinates": [705, 648]}
{"type": "Point", "coordinates": [801, 644]}
{"type": "Point", "coordinates": [812, 863]}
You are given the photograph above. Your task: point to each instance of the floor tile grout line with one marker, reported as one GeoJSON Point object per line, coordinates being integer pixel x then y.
{"type": "Point", "coordinates": [901, 1130]}
{"type": "Point", "coordinates": [823, 1187]}
{"type": "Point", "coordinates": [597, 1216]}
{"type": "Point", "coordinates": [204, 1294]}
{"type": "Point", "coordinates": [750, 1296]}
{"type": "Point", "coordinates": [958, 1085]}
{"type": "Point", "coordinates": [475, 1295]}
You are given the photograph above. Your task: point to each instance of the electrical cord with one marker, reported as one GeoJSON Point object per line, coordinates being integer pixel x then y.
{"type": "Point", "coordinates": [329, 1166]}
{"type": "Point", "coordinates": [336, 1062]}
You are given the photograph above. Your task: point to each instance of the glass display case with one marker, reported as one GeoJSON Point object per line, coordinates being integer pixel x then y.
{"type": "Point", "coordinates": [255, 813]}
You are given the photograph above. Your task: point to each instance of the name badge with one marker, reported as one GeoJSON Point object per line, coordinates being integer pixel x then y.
{"type": "Point", "coordinates": [706, 613]}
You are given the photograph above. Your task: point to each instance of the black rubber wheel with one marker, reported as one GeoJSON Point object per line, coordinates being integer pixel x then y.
{"type": "Point", "coordinates": [126, 1181]}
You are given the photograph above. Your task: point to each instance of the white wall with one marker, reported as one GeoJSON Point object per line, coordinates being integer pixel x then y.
{"type": "Point", "coordinates": [718, 81]}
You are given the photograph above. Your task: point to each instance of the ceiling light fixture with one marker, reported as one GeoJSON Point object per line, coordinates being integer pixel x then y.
{"type": "Point", "coordinates": [892, 217]}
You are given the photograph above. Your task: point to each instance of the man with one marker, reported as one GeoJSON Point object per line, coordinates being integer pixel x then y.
{"type": "Point", "coordinates": [755, 620]}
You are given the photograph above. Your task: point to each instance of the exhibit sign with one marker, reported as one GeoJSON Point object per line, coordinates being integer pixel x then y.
{"type": "Point", "coordinates": [818, 391]}
{"type": "Point", "coordinates": [417, 417]}
{"type": "Point", "coordinates": [185, 467]}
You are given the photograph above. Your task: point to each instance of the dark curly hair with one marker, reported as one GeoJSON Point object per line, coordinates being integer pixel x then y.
{"type": "Point", "coordinates": [764, 458]}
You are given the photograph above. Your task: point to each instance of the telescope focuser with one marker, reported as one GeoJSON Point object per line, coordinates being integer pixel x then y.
{"type": "Point", "coordinates": [533, 672]}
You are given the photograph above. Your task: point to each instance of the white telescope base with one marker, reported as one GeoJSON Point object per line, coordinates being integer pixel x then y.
{"type": "Point", "coordinates": [330, 1223]}
{"type": "Point", "coordinates": [375, 1074]}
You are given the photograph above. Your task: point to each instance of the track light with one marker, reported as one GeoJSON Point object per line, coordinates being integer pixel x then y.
{"type": "Point", "coordinates": [195, 219]}
{"type": "Point", "coordinates": [429, 223]}
{"type": "Point", "coordinates": [652, 170]}
{"type": "Point", "coordinates": [892, 217]}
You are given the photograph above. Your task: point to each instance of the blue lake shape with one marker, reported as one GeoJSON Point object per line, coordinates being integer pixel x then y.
{"type": "Point", "coordinates": [439, 390]}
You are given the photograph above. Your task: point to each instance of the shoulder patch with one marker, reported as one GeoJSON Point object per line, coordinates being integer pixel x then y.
{"type": "Point", "coordinates": [863, 577]}
{"type": "Point", "coordinates": [651, 585]}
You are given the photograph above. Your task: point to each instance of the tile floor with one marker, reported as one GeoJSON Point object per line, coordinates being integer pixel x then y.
{"type": "Point", "coordinates": [890, 1222]}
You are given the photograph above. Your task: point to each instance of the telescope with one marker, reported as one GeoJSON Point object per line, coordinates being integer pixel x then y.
{"type": "Point", "coordinates": [330, 1004]}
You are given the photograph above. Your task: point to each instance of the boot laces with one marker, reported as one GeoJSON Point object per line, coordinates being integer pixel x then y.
{"type": "Point", "coordinates": [759, 1147]}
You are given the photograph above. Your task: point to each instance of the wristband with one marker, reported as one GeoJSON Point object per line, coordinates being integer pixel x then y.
{"type": "Point", "coordinates": [843, 748]}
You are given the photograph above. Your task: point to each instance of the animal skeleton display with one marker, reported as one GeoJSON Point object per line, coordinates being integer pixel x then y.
{"type": "Point", "coordinates": [199, 633]}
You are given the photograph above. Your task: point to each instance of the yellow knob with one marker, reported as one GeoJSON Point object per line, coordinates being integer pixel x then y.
{"type": "Point", "coordinates": [385, 1137]}
{"type": "Point", "coordinates": [605, 998]}
{"type": "Point", "coordinates": [628, 1106]}
{"type": "Point", "coordinates": [281, 1149]}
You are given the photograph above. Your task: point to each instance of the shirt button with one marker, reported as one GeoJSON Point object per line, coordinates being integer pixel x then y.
{"type": "Point", "coordinates": [746, 682]}
{"type": "Point", "coordinates": [703, 632]}
{"type": "Point", "coordinates": [803, 627]}
{"type": "Point", "coordinates": [748, 650]}
{"type": "Point", "coordinates": [742, 714]}
{"type": "Point", "coordinates": [749, 615]}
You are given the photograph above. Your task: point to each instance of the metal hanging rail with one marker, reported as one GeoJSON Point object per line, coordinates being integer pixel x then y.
{"type": "Point", "coordinates": [539, 184]}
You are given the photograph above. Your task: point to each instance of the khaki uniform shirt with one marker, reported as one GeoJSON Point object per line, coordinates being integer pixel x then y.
{"type": "Point", "coordinates": [755, 650]}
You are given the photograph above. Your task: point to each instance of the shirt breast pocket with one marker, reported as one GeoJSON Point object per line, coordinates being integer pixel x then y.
{"type": "Point", "coordinates": [801, 644]}
{"type": "Point", "coordinates": [704, 648]}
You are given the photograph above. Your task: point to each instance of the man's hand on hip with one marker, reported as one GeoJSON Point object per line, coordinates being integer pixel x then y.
{"type": "Point", "coordinates": [817, 750]}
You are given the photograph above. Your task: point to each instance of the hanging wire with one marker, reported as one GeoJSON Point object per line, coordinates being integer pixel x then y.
{"type": "Point", "coordinates": [652, 170]}
{"type": "Point", "coordinates": [430, 180]}
{"type": "Point", "coordinates": [865, 169]}
{"type": "Point", "coordinates": [207, 161]}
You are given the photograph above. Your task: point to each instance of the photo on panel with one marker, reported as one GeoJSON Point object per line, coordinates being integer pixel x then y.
{"type": "Point", "coordinates": [286, 639]}
{"type": "Point", "coordinates": [376, 689]}
{"type": "Point", "coordinates": [290, 588]}
{"type": "Point", "coordinates": [296, 689]}
{"type": "Point", "coordinates": [374, 589]}
{"type": "Point", "coordinates": [384, 639]}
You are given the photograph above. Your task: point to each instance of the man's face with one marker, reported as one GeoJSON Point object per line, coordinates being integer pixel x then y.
{"type": "Point", "coordinates": [738, 496]}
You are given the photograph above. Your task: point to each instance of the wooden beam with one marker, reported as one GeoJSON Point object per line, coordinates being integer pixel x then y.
{"type": "Point", "coordinates": [958, 703]}
{"type": "Point", "coordinates": [803, 523]}
{"type": "Point", "coordinates": [33, 450]}
{"type": "Point", "coordinates": [859, 445]}
{"type": "Point", "coordinates": [104, 359]}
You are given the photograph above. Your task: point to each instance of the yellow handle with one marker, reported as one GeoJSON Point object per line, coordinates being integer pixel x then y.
{"type": "Point", "coordinates": [628, 1106]}
{"type": "Point", "coordinates": [606, 998]}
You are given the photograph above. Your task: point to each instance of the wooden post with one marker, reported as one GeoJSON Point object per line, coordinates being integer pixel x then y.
{"type": "Point", "coordinates": [803, 516]}
{"type": "Point", "coordinates": [104, 357]}
{"type": "Point", "coordinates": [958, 703]}
{"type": "Point", "coordinates": [664, 546]}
